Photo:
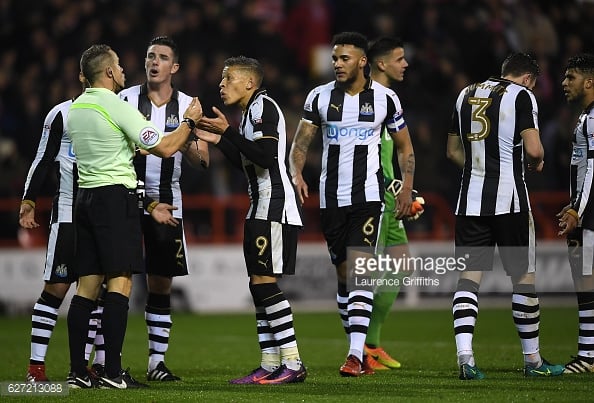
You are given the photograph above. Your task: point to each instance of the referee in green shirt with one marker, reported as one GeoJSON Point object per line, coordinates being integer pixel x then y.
{"type": "Point", "coordinates": [105, 132]}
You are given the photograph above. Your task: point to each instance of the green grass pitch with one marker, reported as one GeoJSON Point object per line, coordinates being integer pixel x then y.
{"type": "Point", "coordinates": [208, 350]}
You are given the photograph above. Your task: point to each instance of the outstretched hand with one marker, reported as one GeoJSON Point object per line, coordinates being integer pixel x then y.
{"type": "Point", "coordinates": [211, 129]}
{"type": "Point", "coordinates": [194, 110]}
{"type": "Point", "coordinates": [162, 214]}
{"type": "Point", "coordinates": [216, 125]}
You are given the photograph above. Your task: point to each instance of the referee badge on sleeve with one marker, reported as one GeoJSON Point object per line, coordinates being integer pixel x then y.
{"type": "Point", "coordinates": [148, 136]}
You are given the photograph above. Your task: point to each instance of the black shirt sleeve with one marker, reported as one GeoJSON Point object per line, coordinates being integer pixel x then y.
{"type": "Point", "coordinates": [46, 155]}
{"type": "Point", "coordinates": [262, 152]}
{"type": "Point", "coordinates": [230, 151]}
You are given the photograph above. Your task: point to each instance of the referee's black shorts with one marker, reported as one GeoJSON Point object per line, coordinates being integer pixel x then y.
{"type": "Point", "coordinates": [513, 234]}
{"type": "Point", "coordinates": [108, 234]}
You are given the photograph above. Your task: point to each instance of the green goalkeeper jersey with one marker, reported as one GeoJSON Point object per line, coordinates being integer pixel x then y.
{"type": "Point", "coordinates": [388, 167]}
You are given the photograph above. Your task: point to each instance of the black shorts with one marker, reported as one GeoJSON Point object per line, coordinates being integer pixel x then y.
{"type": "Point", "coordinates": [59, 258]}
{"type": "Point", "coordinates": [574, 250]}
{"type": "Point", "coordinates": [164, 248]}
{"type": "Point", "coordinates": [269, 247]}
{"type": "Point", "coordinates": [350, 226]}
{"type": "Point", "coordinates": [513, 234]}
{"type": "Point", "coordinates": [580, 250]}
{"type": "Point", "coordinates": [108, 234]}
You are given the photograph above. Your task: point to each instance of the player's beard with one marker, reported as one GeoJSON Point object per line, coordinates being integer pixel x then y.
{"type": "Point", "coordinates": [347, 81]}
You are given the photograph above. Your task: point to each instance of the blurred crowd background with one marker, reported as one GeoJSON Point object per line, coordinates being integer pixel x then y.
{"type": "Point", "coordinates": [449, 43]}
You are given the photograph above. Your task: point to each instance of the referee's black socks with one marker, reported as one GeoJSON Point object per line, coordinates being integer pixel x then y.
{"type": "Point", "coordinates": [113, 323]}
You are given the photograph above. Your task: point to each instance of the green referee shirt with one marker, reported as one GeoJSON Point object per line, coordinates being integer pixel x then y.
{"type": "Point", "coordinates": [104, 131]}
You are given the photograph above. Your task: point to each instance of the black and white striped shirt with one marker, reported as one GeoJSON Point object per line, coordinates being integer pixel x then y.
{"type": "Point", "coordinates": [271, 191]}
{"type": "Point", "coordinates": [55, 149]}
{"type": "Point", "coordinates": [160, 175]}
{"type": "Point", "coordinates": [490, 117]}
{"type": "Point", "coordinates": [351, 127]}
{"type": "Point", "coordinates": [582, 164]}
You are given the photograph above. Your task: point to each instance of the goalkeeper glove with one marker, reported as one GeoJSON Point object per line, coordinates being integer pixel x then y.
{"type": "Point", "coordinates": [417, 208]}
{"type": "Point", "coordinates": [394, 186]}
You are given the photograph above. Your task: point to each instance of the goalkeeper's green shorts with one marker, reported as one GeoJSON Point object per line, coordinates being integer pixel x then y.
{"type": "Point", "coordinates": [392, 231]}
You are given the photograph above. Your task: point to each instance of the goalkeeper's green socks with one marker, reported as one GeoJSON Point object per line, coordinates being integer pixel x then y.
{"type": "Point", "coordinates": [382, 303]}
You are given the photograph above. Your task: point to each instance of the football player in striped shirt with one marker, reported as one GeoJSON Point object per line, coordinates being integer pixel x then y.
{"type": "Point", "coordinates": [54, 151]}
{"type": "Point", "coordinates": [350, 113]}
{"type": "Point", "coordinates": [164, 244]}
{"type": "Point", "coordinates": [273, 219]}
{"type": "Point", "coordinates": [577, 218]}
{"type": "Point", "coordinates": [493, 124]}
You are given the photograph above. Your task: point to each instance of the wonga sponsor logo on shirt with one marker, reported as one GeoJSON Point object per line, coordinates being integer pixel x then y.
{"type": "Point", "coordinates": [334, 132]}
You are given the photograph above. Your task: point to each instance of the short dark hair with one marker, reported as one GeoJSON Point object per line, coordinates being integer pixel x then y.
{"type": "Point", "coordinates": [247, 63]}
{"type": "Point", "coordinates": [93, 60]}
{"type": "Point", "coordinates": [519, 63]}
{"type": "Point", "coordinates": [584, 63]}
{"type": "Point", "coordinates": [166, 41]}
{"type": "Point", "coordinates": [351, 38]}
{"type": "Point", "coordinates": [383, 46]}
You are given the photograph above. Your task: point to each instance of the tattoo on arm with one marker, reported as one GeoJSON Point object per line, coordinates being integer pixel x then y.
{"type": "Point", "coordinates": [409, 165]}
{"type": "Point", "coordinates": [406, 155]}
{"type": "Point", "coordinates": [303, 138]}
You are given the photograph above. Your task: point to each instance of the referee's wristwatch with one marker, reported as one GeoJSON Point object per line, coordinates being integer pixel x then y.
{"type": "Point", "coordinates": [190, 123]}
